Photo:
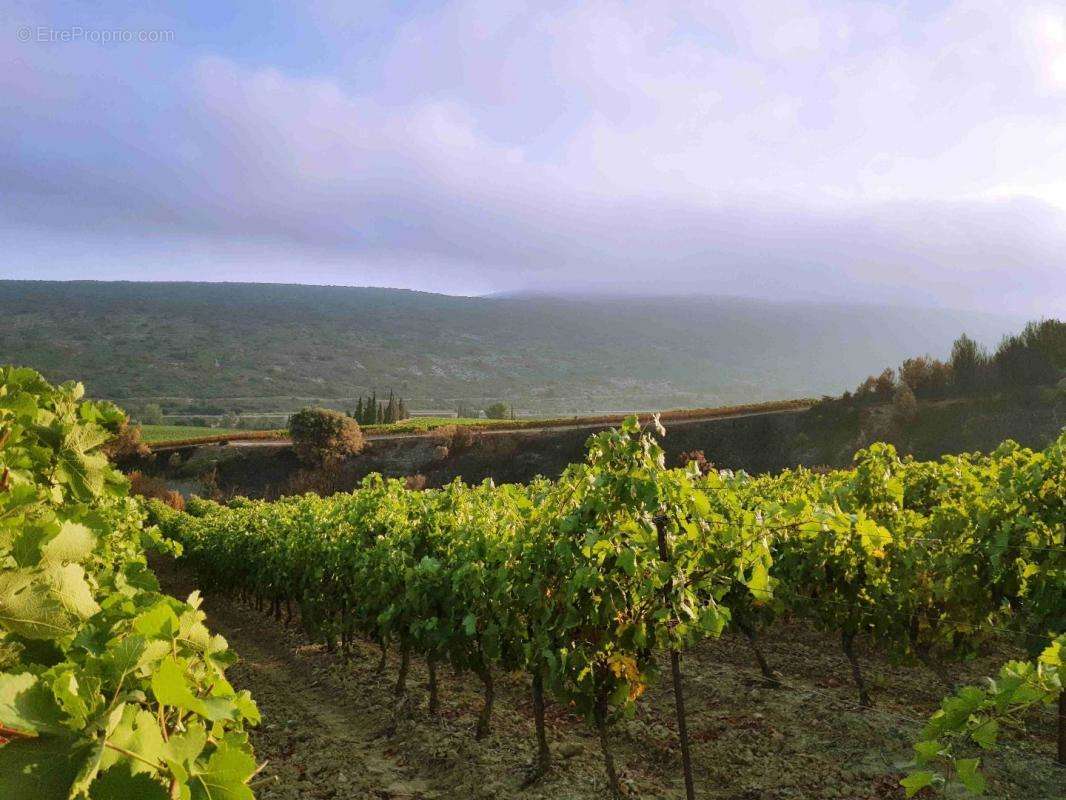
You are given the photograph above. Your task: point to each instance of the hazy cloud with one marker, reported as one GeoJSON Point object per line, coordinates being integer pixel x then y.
{"type": "Point", "coordinates": [788, 149]}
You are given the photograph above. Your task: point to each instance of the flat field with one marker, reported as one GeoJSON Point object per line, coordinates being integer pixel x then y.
{"type": "Point", "coordinates": [166, 433]}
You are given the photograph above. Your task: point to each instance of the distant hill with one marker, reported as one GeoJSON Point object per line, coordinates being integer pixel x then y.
{"type": "Point", "coordinates": [269, 347]}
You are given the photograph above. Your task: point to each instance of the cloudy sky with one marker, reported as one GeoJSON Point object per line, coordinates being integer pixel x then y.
{"type": "Point", "coordinates": [911, 152]}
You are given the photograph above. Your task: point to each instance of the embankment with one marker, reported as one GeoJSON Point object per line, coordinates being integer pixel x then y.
{"type": "Point", "coordinates": [824, 435]}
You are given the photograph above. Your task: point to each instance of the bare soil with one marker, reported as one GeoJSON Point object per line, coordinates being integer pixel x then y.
{"type": "Point", "coordinates": [331, 728]}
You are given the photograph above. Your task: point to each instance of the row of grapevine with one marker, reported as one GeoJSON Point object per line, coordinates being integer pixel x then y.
{"type": "Point", "coordinates": [108, 688]}
{"type": "Point", "coordinates": [944, 556]}
{"type": "Point", "coordinates": [579, 582]}
{"type": "Point", "coordinates": [584, 580]}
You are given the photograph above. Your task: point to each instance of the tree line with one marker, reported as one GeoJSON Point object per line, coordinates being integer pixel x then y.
{"type": "Point", "coordinates": [1031, 359]}
{"type": "Point", "coordinates": [498, 410]}
{"type": "Point", "coordinates": [371, 411]}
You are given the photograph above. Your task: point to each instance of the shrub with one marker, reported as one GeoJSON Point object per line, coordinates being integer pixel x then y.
{"type": "Point", "coordinates": [904, 404]}
{"type": "Point", "coordinates": [322, 480]}
{"type": "Point", "coordinates": [445, 433]}
{"type": "Point", "coordinates": [322, 436]}
{"type": "Point", "coordinates": [462, 439]}
{"type": "Point", "coordinates": [497, 411]}
{"type": "Point", "coordinates": [453, 439]}
{"type": "Point", "coordinates": [697, 456]}
{"type": "Point", "coordinates": [151, 414]}
{"type": "Point", "coordinates": [153, 487]}
{"type": "Point", "coordinates": [126, 443]}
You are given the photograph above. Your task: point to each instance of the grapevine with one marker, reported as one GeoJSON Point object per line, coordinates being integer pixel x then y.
{"type": "Point", "coordinates": [583, 581]}
{"type": "Point", "coordinates": [108, 687]}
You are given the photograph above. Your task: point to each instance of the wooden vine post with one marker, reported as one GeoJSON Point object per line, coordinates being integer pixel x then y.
{"type": "Point", "coordinates": [484, 671]}
{"type": "Point", "coordinates": [675, 671]}
{"type": "Point", "coordinates": [431, 685]}
{"type": "Point", "coordinates": [544, 756]}
{"type": "Point", "coordinates": [760, 658]}
{"type": "Point", "coordinates": [847, 644]}
{"type": "Point", "coordinates": [1062, 726]}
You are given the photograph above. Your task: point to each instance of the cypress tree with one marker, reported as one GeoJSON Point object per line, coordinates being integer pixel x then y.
{"type": "Point", "coordinates": [359, 411]}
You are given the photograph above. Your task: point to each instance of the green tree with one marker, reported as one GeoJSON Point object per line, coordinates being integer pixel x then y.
{"type": "Point", "coordinates": [321, 435]}
{"type": "Point", "coordinates": [885, 385]}
{"type": "Point", "coordinates": [1049, 337]}
{"type": "Point", "coordinates": [969, 365]}
{"type": "Point", "coordinates": [928, 377]}
{"type": "Point", "coordinates": [1019, 362]}
{"type": "Point", "coordinates": [152, 414]}
{"type": "Point", "coordinates": [496, 411]}
{"type": "Point", "coordinates": [904, 405]}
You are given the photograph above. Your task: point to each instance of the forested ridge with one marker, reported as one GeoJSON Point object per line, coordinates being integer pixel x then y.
{"type": "Point", "coordinates": [217, 348]}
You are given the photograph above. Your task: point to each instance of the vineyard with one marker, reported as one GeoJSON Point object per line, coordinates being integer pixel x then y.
{"type": "Point", "coordinates": [593, 584]}
{"type": "Point", "coordinates": [108, 688]}
{"type": "Point", "coordinates": [598, 588]}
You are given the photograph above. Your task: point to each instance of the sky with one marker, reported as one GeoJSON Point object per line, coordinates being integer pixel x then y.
{"type": "Point", "coordinates": [906, 152]}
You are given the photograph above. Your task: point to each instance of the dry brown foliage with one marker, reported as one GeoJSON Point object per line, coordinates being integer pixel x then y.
{"type": "Point", "coordinates": [156, 488]}
{"type": "Point", "coordinates": [126, 443]}
{"type": "Point", "coordinates": [415, 482]}
{"type": "Point", "coordinates": [702, 463]}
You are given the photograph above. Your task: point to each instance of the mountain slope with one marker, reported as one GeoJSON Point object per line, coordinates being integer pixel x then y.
{"type": "Point", "coordinates": [267, 346]}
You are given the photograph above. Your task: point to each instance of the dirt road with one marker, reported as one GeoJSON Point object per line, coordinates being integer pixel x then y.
{"type": "Point", "coordinates": [320, 740]}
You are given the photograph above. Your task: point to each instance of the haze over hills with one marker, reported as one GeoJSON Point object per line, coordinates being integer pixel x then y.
{"type": "Point", "coordinates": [270, 346]}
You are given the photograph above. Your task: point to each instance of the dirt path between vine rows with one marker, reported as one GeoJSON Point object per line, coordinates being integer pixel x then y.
{"type": "Point", "coordinates": [329, 728]}
{"type": "Point", "coordinates": [319, 744]}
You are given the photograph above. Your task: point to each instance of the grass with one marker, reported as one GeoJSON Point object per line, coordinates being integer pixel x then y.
{"type": "Point", "coordinates": [164, 433]}
{"type": "Point", "coordinates": [170, 434]}
{"type": "Point", "coordinates": [424, 424]}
